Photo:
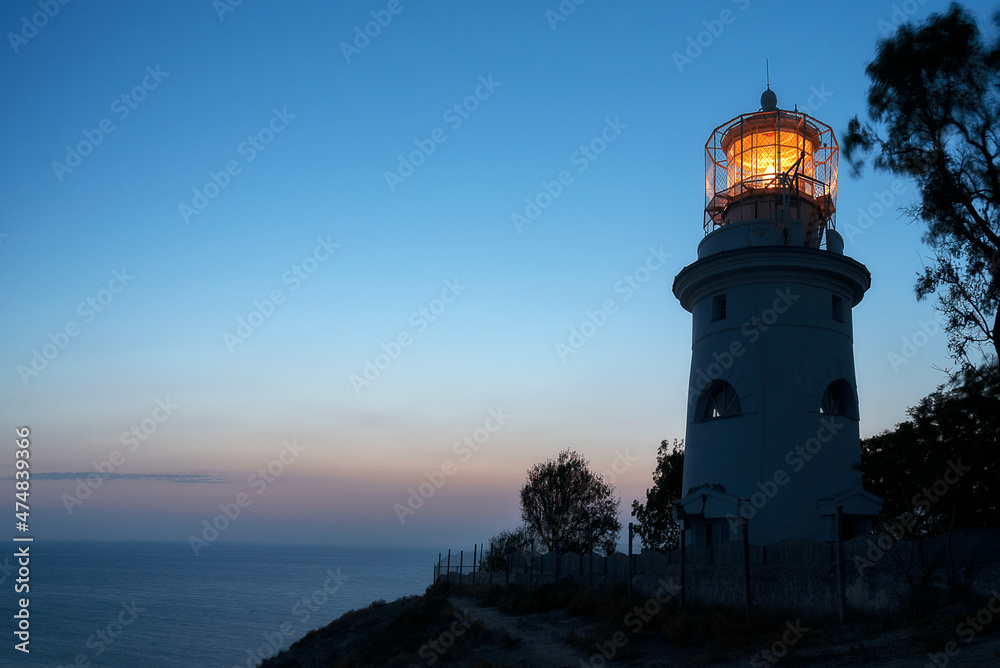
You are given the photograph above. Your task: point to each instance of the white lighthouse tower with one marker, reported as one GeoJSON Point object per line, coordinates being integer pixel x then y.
{"type": "Point", "coordinates": [772, 415]}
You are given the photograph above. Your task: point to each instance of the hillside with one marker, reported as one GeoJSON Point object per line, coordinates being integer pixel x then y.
{"type": "Point", "coordinates": [566, 626]}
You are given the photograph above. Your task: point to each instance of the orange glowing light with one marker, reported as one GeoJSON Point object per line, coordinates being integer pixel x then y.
{"type": "Point", "coordinates": [758, 159]}
{"type": "Point", "coordinates": [772, 153]}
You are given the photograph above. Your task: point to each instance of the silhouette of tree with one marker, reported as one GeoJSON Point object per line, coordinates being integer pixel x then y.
{"type": "Point", "coordinates": [934, 114]}
{"type": "Point", "coordinates": [942, 465]}
{"type": "Point", "coordinates": [503, 544]}
{"type": "Point", "coordinates": [563, 501]}
{"type": "Point", "coordinates": [657, 527]}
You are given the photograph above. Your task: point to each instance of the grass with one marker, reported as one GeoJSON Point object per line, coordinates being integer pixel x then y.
{"type": "Point", "coordinates": [400, 634]}
{"type": "Point", "coordinates": [422, 630]}
{"type": "Point", "coordinates": [716, 630]}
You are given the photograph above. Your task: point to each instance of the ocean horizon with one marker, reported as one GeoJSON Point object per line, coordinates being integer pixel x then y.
{"type": "Point", "coordinates": [157, 605]}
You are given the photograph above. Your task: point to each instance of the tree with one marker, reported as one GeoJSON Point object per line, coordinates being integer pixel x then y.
{"type": "Point", "coordinates": [942, 465]}
{"type": "Point", "coordinates": [657, 527]}
{"type": "Point", "coordinates": [503, 544]}
{"type": "Point", "coordinates": [564, 503]}
{"type": "Point", "coordinates": [934, 118]}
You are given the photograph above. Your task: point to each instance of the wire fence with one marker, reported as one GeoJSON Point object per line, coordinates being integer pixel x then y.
{"type": "Point", "coordinates": [866, 574]}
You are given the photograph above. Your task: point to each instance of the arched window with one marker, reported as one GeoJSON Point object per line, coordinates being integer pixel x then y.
{"type": "Point", "coordinates": [721, 401]}
{"type": "Point", "coordinates": [838, 399]}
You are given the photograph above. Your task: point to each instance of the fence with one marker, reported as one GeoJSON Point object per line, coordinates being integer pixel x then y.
{"type": "Point", "coordinates": [867, 574]}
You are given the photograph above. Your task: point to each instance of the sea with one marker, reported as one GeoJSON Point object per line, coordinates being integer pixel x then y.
{"type": "Point", "coordinates": [157, 605]}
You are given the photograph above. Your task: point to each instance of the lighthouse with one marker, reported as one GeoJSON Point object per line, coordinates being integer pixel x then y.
{"type": "Point", "coordinates": [772, 442]}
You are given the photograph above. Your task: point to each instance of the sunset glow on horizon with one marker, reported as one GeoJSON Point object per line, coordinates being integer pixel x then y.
{"type": "Point", "coordinates": [367, 279]}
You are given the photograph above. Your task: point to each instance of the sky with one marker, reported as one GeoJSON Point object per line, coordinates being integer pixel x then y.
{"type": "Point", "coordinates": [309, 272]}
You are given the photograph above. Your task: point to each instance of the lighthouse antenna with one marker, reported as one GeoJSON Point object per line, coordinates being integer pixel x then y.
{"type": "Point", "coordinates": [767, 73]}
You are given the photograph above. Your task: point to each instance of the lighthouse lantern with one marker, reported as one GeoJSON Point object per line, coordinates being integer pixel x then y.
{"type": "Point", "coordinates": [772, 163]}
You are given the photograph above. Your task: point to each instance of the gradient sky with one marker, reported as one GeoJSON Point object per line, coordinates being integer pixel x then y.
{"type": "Point", "coordinates": [337, 120]}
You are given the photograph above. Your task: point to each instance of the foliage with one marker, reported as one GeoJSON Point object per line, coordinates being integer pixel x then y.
{"type": "Point", "coordinates": [919, 467]}
{"type": "Point", "coordinates": [934, 114]}
{"type": "Point", "coordinates": [657, 527]}
{"type": "Point", "coordinates": [503, 544]}
{"type": "Point", "coordinates": [564, 503]}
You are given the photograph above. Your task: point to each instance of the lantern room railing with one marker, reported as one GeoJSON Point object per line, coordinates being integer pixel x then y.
{"type": "Point", "coordinates": [781, 154]}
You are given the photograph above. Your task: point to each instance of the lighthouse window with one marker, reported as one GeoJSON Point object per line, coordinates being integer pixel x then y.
{"type": "Point", "coordinates": [838, 399]}
{"type": "Point", "coordinates": [719, 307]}
{"type": "Point", "coordinates": [838, 308]}
{"type": "Point", "coordinates": [721, 402]}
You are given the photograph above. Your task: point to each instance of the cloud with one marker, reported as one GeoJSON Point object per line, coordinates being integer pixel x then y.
{"type": "Point", "coordinates": [166, 477]}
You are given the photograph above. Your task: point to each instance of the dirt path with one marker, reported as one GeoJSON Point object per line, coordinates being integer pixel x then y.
{"type": "Point", "coordinates": [540, 638]}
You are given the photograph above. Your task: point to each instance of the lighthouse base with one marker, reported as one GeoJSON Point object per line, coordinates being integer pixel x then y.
{"type": "Point", "coordinates": [710, 516]}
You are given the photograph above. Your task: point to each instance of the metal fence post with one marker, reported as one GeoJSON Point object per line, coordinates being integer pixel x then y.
{"type": "Point", "coordinates": [746, 558]}
{"type": "Point", "coordinates": [631, 529]}
{"type": "Point", "coordinates": [448, 574]}
{"type": "Point", "coordinates": [530, 557]}
{"type": "Point", "coordinates": [683, 586]}
{"type": "Point", "coordinates": [841, 578]}
{"type": "Point", "coordinates": [590, 558]}
{"type": "Point", "coordinates": [461, 566]}
{"type": "Point", "coordinates": [474, 554]}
